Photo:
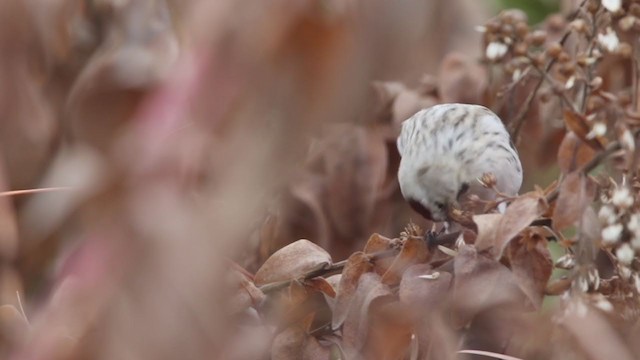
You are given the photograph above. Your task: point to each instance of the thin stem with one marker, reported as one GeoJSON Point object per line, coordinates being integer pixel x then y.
{"type": "Point", "coordinates": [519, 119]}
{"type": "Point", "coordinates": [324, 271]}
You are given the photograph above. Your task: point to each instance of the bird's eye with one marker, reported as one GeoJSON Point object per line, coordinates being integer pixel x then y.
{"type": "Point", "coordinates": [463, 189]}
{"type": "Point", "coordinates": [439, 205]}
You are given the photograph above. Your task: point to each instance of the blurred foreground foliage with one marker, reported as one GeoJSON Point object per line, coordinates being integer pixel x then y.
{"type": "Point", "coordinates": [196, 179]}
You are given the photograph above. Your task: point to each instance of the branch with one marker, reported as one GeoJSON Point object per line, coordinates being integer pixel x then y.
{"type": "Point", "coordinates": [519, 119]}
{"type": "Point", "coordinates": [324, 271]}
{"type": "Point", "coordinates": [594, 162]}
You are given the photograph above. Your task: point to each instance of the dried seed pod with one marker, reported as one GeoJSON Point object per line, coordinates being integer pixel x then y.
{"type": "Point", "coordinates": [538, 37]}
{"type": "Point", "coordinates": [554, 50]}
{"type": "Point", "coordinates": [625, 50]}
{"type": "Point", "coordinates": [522, 29]}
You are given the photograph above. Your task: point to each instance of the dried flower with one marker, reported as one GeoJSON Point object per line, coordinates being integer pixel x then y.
{"type": "Point", "coordinates": [496, 50]}
{"type": "Point", "coordinates": [593, 277]}
{"type": "Point", "coordinates": [581, 284]}
{"type": "Point", "coordinates": [611, 234]}
{"type": "Point", "coordinates": [625, 254]}
{"type": "Point", "coordinates": [622, 198]}
{"type": "Point", "coordinates": [566, 262]}
{"type": "Point", "coordinates": [634, 223]}
{"type": "Point", "coordinates": [599, 129]}
{"type": "Point", "coordinates": [627, 22]}
{"type": "Point", "coordinates": [481, 29]}
{"type": "Point", "coordinates": [433, 276]}
{"type": "Point", "coordinates": [607, 215]}
{"type": "Point", "coordinates": [609, 41]}
{"type": "Point", "coordinates": [570, 83]}
{"type": "Point", "coordinates": [626, 139]}
{"type": "Point", "coordinates": [624, 271]}
{"type": "Point", "coordinates": [602, 303]}
{"type": "Point", "coordinates": [488, 180]}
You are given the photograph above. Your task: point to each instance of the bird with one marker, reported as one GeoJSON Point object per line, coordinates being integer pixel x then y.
{"type": "Point", "coordinates": [446, 150]}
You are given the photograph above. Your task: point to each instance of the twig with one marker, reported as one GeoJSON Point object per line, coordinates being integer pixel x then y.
{"type": "Point", "coordinates": [594, 162]}
{"type": "Point", "coordinates": [324, 271]}
{"type": "Point", "coordinates": [636, 73]}
{"type": "Point", "coordinates": [590, 67]}
{"type": "Point", "coordinates": [519, 119]}
{"type": "Point", "coordinates": [545, 76]}
{"type": "Point", "coordinates": [24, 314]}
{"type": "Point", "coordinates": [33, 191]}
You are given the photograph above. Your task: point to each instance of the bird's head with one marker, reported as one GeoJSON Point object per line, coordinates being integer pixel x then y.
{"type": "Point", "coordinates": [433, 190]}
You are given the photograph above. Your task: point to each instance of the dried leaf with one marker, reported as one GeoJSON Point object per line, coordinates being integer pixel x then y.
{"type": "Point", "coordinates": [593, 332]}
{"type": "Point", "coordinates": [356, 162]}
{"type": "Point", "coordinates": [12, 324]}
{"type": "Point", "coordinates": [520, 213]}
{"type": "Point", "coordinates": [291, 262]}
{"type": "Point", "coordinates": [8, 224]}
{"type": "Point", "coordinates": [409, 102]}
{"type": "Point", "coordinates": [531, 266]}
{"type": "Point", "coordinates": [414, 251]}
{"type": "Point", "coordinates": [573, 198]}
{"type": "Point", "coordinates": [460, 81]}
{"type": "Point", "coordinates": [487, 227]}
{"type": "Point", "coordinates": [322, 285]}
{"type": "Point", "coordinates": [579, 126]}
{"type": "Point", "coordinates": [247, 294]}
{"type": "Point", "coordinates": [390, 332]}
{"type": "Point", "coordinates": [481, 282]}
{"type": "Point", "coordinates": [357, 265]}
{"type": "Point", "coordinates": [356, 324]}
{"type": "Point", "coordinates": [290, 343]}
{"type": "Point", "coordinates": [573, 153]}
{"type": "Point", "coordinates": [313, 350]}
{"type": "Point", "coordinates": [377, 243]}
{"type": "Point", "coordinates": [424, 295]}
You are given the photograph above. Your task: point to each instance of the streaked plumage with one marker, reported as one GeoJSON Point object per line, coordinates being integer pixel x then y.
{"type": "Point", "coordinates": [446, 148]}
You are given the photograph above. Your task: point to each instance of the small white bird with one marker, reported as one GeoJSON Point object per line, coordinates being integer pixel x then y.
{"type": "Point", "coordinates": [446, 149]}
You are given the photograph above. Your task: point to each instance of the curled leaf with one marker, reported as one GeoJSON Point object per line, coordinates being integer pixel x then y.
{"type": "Point", "coordinates": [357, 265]}
{"type": "Point", "coordinates": [291, 262]}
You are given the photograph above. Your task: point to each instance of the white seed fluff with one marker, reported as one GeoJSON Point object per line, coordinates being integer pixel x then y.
{"type": "Point", "coordinates": [611, 234]}
{"type": "Point", "coordinates": [625, 254]}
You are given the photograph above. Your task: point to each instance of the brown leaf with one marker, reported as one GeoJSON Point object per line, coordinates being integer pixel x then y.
{"type": "Point", "coordinates": [8, 224]}
{"type": "Point", "coordinates": [390, 332]}
{"type": "Point", "coordinates": [322, 285]}
{"type": "Point", "coordinates": [356, 162]}
{"type": "Point", "coordinates": [357, 265]}
{"type": "Point", "coordinates": [310, 192]}
{"type": "Point", "coordinates": [520, 213]}
{"type": "Point", "coordinates": [573, 198]}
{"type": "Point", "coordinates": [356, 324]}
{"type": "Point", "coordinates": [13, 325]}
{"type": "Point", "coordinates": [424, 294]}
{"type": "Point", "coordinates": [247, 294]}
{"type": "Point", "coordinates": [531, 266]}
{"type": "Point", "coordinates": [414, 251]}
{"type": "Point", "coordinates": [579, 126]}
{"type": "Point", "coordinates": [487, 227]}
{"type": "Point", "coordinates": [291, 262]}
{"type": "Point", "coordinates": [313, 350]}
{"type": "Point", "coordinates": [480, 282]}
{"type": "Point", "coordinates": [558, 286]}
{"type": "Point", "coordinates": [377, 243]}
{"type": "Point", "coordinates": [573, 153]}
{"type": "Point", "coordinates": [593, 332]}
{"type": "Point", "coordinates": [290, 343]}
{"type": "Point", "coordinates": [409, 102]}
{"type": "Point", "coordinates": [460, 80]}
